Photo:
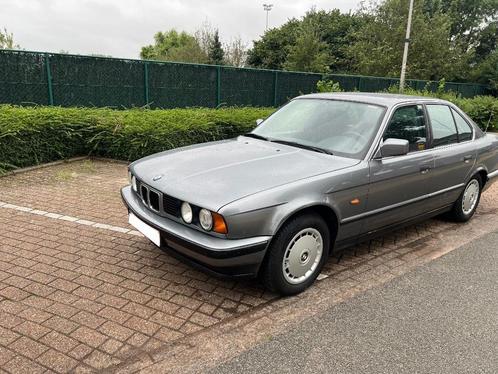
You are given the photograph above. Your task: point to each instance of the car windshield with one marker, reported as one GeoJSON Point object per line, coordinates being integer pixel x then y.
{"type": "Point", "coordinates": [337, 127]}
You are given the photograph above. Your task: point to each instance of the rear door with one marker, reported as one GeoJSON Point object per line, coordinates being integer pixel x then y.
{"type": "Point", "coordinates": [454, 153]}
{"type": "Point", "coordinates": [399, 185]}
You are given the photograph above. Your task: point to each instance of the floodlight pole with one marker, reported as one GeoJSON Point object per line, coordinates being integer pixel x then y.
{"type": "Point", "coordinates": [267, 8]}
{"type": "Point", "coordinates": [405, 52]}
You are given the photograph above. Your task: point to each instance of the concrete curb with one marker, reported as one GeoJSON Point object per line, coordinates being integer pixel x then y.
{"type": "Point", "coordinates": [60, 162]}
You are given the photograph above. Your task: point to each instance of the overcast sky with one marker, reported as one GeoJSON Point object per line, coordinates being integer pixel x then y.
{"type": "Point", "coordinates": [121, 27]}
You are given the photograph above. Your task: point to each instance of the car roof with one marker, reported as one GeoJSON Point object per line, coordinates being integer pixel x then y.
{"type": "Point", "coordinates": [384, 99]}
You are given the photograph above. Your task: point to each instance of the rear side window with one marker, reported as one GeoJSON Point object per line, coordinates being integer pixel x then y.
{"type": "Point", "coordinates": [444, 131]}
{"type": "Point", "coordinates": [464, 129]}
{"type": "Point", "coordinates": [408, 123]}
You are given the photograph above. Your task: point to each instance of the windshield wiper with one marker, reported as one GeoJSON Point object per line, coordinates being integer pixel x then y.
{"type": "Point", "coordinates": [286, 142]}
{"type": "Point", "coordinates": [255, 136]}
{"type": "Point", "coordinates": [304, 146]}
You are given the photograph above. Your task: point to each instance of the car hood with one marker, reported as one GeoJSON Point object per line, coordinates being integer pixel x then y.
{"type": "Point", "coordinates": [212, 175]}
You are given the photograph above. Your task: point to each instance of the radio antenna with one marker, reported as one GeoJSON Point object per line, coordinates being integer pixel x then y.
{"type": "Point", "coordinates": [489, 121]}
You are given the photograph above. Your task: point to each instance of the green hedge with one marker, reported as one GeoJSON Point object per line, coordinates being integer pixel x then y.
{"type": "Point", "coordinates": [35, 135]}
{"type": "Point", "coordinates": [482, 109]}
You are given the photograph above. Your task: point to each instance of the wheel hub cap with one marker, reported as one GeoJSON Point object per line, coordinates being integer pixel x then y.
{"type": "Point", "coordinates": [470, 197]}
{"type": "Point", "coordinates": [302, 256]}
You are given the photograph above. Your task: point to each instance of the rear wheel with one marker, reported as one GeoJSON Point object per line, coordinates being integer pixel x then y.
{"type": "Point", "coordinates": [297, 255]}
{"type": "Point", "coordinates": [466, 205]}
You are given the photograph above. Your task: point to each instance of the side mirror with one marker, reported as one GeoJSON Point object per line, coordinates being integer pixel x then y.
{"type": "Point", "coordinates": [393, 147]}
{"type": "Point", "coordinates": [258, 121]}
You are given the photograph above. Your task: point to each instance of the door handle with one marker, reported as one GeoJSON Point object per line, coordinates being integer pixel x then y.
{"type": "Point", "coordinates": [467, 158]}
{"type": "Point", "coordinates": [425, 169]}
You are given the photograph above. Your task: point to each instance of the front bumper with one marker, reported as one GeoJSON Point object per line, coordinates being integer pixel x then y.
{"type": "Point", "coordinates": [232, 257]}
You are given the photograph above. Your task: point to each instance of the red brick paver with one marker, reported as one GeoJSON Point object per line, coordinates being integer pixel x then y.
{"type": "Point", "coordinates": [77, 297]}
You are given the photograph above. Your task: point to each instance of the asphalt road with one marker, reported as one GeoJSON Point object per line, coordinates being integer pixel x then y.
{"type": "Point", "coordinates": [438, 318]}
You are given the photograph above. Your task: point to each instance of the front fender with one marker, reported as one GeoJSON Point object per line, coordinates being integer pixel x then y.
{"type": "Point", "coordinates": [269, 220]}
{"type": "Point", "coordinates": [265, 212]}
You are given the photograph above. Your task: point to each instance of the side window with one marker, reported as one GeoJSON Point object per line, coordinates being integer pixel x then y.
{"type": "Point", "coordinates": [443, 127]}
{"type": "Point", "coordinates": [408, 123]}
{"type": "Point", "coordinates": [464, 129]}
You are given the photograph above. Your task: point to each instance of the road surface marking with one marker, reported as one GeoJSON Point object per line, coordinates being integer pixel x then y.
{"type": "Point", "coordinates": [76, 220]}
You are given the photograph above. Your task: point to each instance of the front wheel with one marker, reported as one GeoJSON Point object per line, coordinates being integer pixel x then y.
{"type": "Point", "coordinates": [466, 205]}
{"type": "Point", "coordinates": [297, 255]}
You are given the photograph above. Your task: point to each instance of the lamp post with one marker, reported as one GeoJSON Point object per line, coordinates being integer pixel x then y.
{"type": "Point", "coordinates": [405, 52]}
{"type": "Point", "coordinates": [267, 9]}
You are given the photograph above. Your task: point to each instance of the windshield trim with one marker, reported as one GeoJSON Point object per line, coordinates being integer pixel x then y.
{"type": "Point", "coordinates": [341, 99]}
{"type": "Point", "coordinates": [369, 145]}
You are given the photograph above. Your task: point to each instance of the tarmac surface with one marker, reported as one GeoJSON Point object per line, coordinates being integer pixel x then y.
{"type": "Point", "coordinates": [438, 318]}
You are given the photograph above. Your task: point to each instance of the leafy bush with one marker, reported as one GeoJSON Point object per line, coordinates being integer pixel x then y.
{"type": "Point", "coordinates": [35, 135]}
{"type": "Point", "coordinates": [482, 109]}
{"type": "Point", "coordinates": [328, 86]}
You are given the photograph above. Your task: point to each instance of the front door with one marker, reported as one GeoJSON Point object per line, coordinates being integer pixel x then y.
{"type": "Point", "coordinates": [399, 184]}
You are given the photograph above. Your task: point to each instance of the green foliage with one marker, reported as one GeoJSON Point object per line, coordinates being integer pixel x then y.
{"type": "Point", "coordinates": [467, 17]}
{"type": "Point", "coordinates": [379, 43]}
{"type": "Point", "coordinates": [331, 33]}
{"type": "Point", "coordinates": [216, 53]}
{"type": "Point", "coordinates": [487, 42]}
{"type": "Point", "coordinates": [7, 40]}
{"type": "Point", "coordinates": [441, 86]}
{"type": "Point", "coordinates": [450, 39]}
{"type": "Point", "coordinates": [35, 135]}
{"type": "Point", "coordinates": [174, 46]}
{"type": "Point", "coordinates": [308, 53]}
{"type": "Point", "coordinates": [271, 51]}
{"type": "Point", "coordinates": [482, 109]}
{"type": "Point", "coordinates": [487, 71]}
{"type": "Point", "coordinates": [328, 86]}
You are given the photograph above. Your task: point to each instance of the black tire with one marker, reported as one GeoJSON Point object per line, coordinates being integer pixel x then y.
{"type": "Point", "coordinates": [272, 272]}
{"type": "Point", "coordinates": [458, 213]}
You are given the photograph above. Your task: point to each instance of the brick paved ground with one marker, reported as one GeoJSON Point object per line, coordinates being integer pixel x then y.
{"type": "Point", "coordinates": [84, 298]}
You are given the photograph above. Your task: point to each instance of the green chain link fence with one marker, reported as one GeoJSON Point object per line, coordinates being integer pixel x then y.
{"type": "Point", "coordinates": [74, 80]}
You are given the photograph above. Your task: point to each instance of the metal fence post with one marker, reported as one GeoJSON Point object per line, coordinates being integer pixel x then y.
{"type": "Point", "coordinates": [360, 83]}
{"type": "Point", "coordinates": [218, 86]}
{"type": "Point", "coordinates": [49, 80]}
{"type": "Point", "coordinates": [146, 83]}
{"type": "Point", "coordinates": [275, 89]}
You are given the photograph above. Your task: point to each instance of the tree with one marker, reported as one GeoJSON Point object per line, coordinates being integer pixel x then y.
{"type": "Point", "coordinates": [270, 52]}
{"type": "Point", "coordinates": [204, 36]}
{"type": "Point", "coordinates": [487, 42]}
{"type": "Point", "coordinates": [308, 53]}
{"type": "Point", "coordinates": [487, 71]}
{"type": "Point", "coordinates": [236, 52]}
{"type": "Point", "coordinates": [216, 53]}
{"type": "Point", "coordinates": [337, 31]}
{"type": "Point", "coordinates": [174, 46]}
{"type": "Point", "coordinates": [331, 27]}
{"type": "Point", "coordinates": [7, 40]}
{"type": "Point", "coordinates": [467, 17]}
{"type": "Point", "coordinates": [378, 45]}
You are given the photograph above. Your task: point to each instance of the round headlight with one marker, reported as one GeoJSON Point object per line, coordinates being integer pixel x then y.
{"type": "Point", "coordinates": [134, 183]}
{"type": "Point", "coordinates": [186, 211]}
{"type": "Point", "coordinates": [206, 219]}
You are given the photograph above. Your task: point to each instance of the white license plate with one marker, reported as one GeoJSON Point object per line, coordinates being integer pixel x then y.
{"type": "Point", "coordinates": [150, 232]}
